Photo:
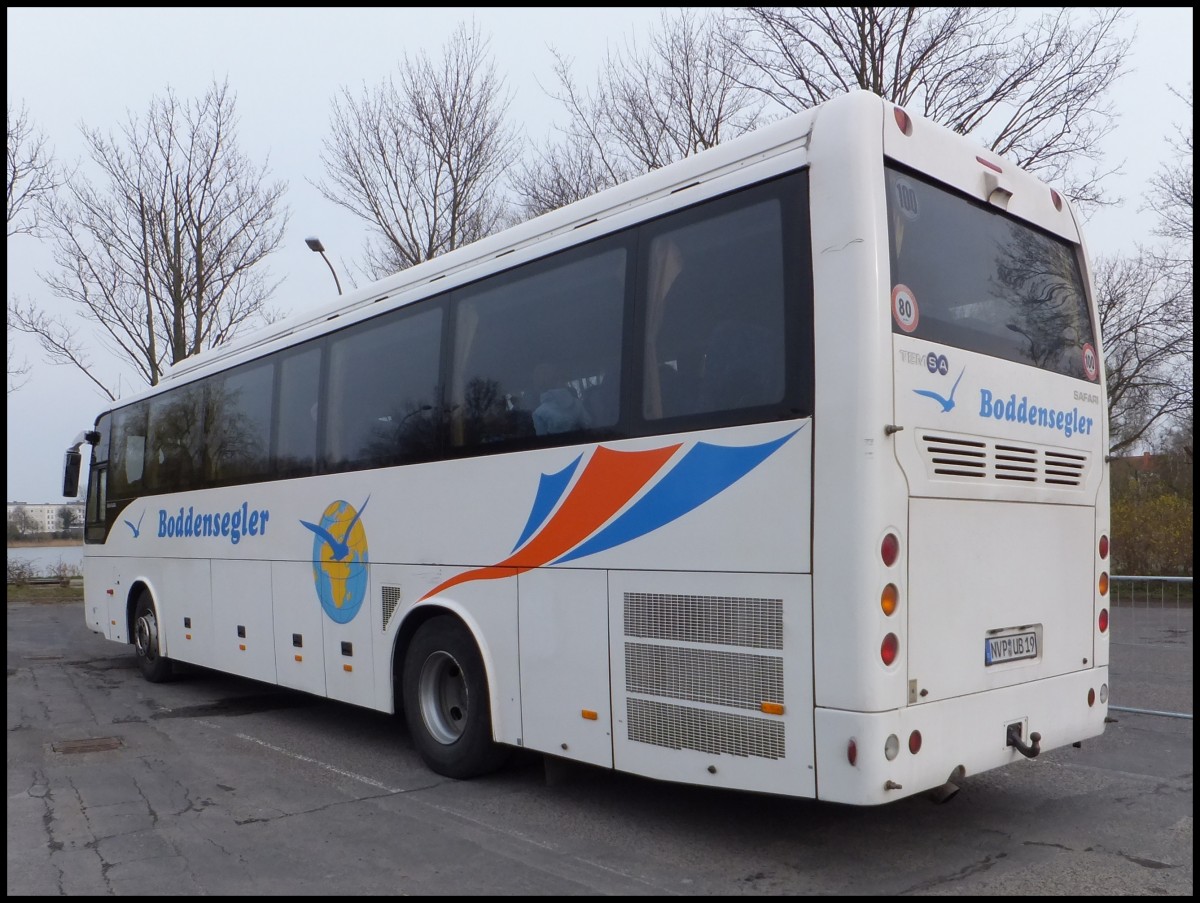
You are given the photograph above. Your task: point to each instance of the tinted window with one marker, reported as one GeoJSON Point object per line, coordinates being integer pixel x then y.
{"type": "Point", "coordinates": [127, 452]}
{"type": "Point", "coordinates": [296, 424]}
{"type": "Point", "coordinates": [976, 279]}
{"type": "Point", "coordinates": [100, 449]}
{"type": "Point", "coordinates": [238, 423]}
{"type": "Point", "coordinates": [714, 294]}
{"type": "Point", "coordinates": [537, 351]}
{"type": "Point", "coordinates": [176, 438]}
{"type": "Point", "coordinates": [383, 391]}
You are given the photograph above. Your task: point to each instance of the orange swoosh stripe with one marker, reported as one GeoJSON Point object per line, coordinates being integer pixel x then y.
{"type": "Point", "coordinates": [610, 479]}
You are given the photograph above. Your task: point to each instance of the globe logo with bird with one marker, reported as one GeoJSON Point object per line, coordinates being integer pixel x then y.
{"type": "Point", "coordinates": [339, 560]}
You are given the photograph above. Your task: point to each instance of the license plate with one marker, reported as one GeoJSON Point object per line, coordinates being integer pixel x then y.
{"type": "Point", "coordinates": [1010, 647]}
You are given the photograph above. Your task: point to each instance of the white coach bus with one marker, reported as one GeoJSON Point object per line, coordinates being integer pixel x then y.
{"type": "Point", "coordinates": [779, 469]}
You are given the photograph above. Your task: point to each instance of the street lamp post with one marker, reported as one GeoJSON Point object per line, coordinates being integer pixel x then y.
{"type": "Point", "coordinates": [314, 244]}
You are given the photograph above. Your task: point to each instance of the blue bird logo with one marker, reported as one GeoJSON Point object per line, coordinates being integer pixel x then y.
{"type": "Point", "coordinates": [946, 403]}
{"type": "Point", "coordinates": [339, 547]}
{"type": "Point", "coordinates": [137, 531]}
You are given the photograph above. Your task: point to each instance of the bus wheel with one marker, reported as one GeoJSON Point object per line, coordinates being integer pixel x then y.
{"type": "Point", "coordinates": [155, 668]}
{"type": "Point", "coordinates": [446, 702]}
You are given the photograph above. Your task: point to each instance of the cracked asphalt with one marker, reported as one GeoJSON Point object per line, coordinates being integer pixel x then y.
{"type": "Point", "coordinates": [217, 785]}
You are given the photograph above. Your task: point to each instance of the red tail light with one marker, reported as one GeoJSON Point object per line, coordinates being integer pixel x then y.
{"type": "Point", "coordinates": [903, 120]}
{"type": "Point", "coordinates": [914, 742]}
{"type": "Point", "coordinates": [890, 550]}
{"type": "Point", "coordinates": [1103, 547]}
{"type": "Point", "coordinates": [1103, 620]}
{"type": "Point", "coordinates": [889, 648]}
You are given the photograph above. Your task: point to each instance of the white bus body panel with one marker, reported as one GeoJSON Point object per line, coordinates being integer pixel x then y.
{"type": "Point", "coordinates": [978, 568]}
{"type": "Point", "coordinates": [690, 676]}
{"type": "Point", "coordinates": [966, 731]}
{"type": "Point", "coordinates": [297, 621]}
{"type": "Point", "coordinates": [244, 635]}
{"type": "Point", "coordinates": [564, 664]}
{"type": "Point", "coordinates": [186, 628]}
{"type": "Point", "coordinates": [349, 670]}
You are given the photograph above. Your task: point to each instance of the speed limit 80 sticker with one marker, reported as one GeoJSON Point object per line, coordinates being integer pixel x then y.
{"type": "Point", "coordinates": [904, 308]}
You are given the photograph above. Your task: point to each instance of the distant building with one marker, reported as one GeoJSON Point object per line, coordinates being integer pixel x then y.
{"type": "Point", "coordinates": [44, 517]}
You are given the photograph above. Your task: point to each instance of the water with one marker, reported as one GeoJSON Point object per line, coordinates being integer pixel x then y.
{"type": "Point", "coordinates": [44, 559]}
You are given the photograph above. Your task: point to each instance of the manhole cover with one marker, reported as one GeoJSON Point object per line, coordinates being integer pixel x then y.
{"type": "Point", "coordinates": [87, 745]}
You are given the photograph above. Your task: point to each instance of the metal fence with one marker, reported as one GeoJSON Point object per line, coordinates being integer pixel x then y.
{"type": "Point", "coordinates": [1151, 636]}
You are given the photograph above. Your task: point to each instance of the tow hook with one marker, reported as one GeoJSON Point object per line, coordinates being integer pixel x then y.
{"type": "Point", "coordinates": [1029, 751]}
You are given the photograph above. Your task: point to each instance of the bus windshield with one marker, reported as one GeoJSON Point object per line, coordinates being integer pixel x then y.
{"type": "Point", "coordinates": [982, 281]}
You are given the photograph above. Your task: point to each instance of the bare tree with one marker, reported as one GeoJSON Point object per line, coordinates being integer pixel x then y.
{"type": "Point", "coordinates": [682, 93]}
{"type": "Point", "coordinates": [18, 372]}
{"type": "Point", "coordinates": [1147, 312]}
{"type": "Point", "coordinates": [421, 157]}
{"type": "Point", "coordinates": [165, 256]}
{"type": "Point", "coordinates": [24, 522]}
{"type": "Point", "coordinates": [1036, 94]}
{"type": "Point", "coordinates": [1170, 197]}
{"type": "Point", "coordinates": [32, 172]}
{"type": "Point", "coordinates": [1171, 186]}
{"type": "Point", "coordinates": [32, 176]}
{"type": "Point", "coordinates": [1146, 325]}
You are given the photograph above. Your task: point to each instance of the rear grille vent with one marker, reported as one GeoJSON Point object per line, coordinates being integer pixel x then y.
{"type": "Point", "coordinates": [678, 647]}
{"type": "Point", "coordinates": [968, 458]}
{"type": "Point", "coordinates": [716, 733]}
{"type": "Point", "coordinates": [720, 620]}
{"type": "Point", "coordinates": [738, 680]}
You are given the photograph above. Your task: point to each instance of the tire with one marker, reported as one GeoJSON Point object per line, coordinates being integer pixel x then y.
{"type": "Point", "coordinates": [446, 701]}
{"type": "Point", "coordinates": [154, 666]}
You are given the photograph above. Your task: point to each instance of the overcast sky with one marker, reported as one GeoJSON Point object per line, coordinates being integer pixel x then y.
{"type": "Point", "coordinates": [72, 66]}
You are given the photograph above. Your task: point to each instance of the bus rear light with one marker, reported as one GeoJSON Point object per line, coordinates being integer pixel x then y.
{"type": "Point", "coordinates": [890, 550]}
{"type": "Point", "coordinates": [1103, 547]}
{"type": "Point", "coordinates": [1103, 694]}
{"type": "Point", "coordinates": [889, 648]}
{"type": "Point", "coordinates": [1103, 620]}
{"type": "Point", "coordinates": [852, 752]}
{"type": "Point", "coordinates": [889, 599]}
{"type": "Point", "coordinates": [1104, 583]}
{"type": "Point", "coordinates": [903, 120]}
{"type": "Point", "coordinates": [990, 165]}
{"type": "Point", "coordinates": [914, 742]}
{"type": "Point", "coordinates": [771, 708]}
{"type": "Point", "coordinates": [1056, 198]}
{"type": "Point", "coordinates": [1091, 697]}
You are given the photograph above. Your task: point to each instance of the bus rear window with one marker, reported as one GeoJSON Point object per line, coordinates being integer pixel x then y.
{"type": "Point", "coordinates": [971, 277]}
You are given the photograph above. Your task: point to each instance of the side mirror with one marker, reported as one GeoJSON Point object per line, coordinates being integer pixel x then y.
{"type": "Point", "coordinates": [71, 473]}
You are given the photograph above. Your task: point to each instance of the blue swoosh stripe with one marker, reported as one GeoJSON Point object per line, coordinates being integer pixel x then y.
{"type": "Point", "coordinates": [549, 491]}
{"type": "Point", "coordinates": [701, 474]}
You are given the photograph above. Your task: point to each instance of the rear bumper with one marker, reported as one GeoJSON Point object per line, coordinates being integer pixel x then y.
{"type": "Point", "coordinates": [967, 732]}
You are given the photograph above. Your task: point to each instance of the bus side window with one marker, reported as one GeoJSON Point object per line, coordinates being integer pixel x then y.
{"type": "Point", "coordinates": [128, 452]}
{"type": "Point", "coordinates": [527, 344]}
{"type": "Point", "coordinates": [714, 309]}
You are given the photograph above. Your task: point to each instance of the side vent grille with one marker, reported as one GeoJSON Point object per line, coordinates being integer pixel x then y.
{"type": "Point", "coordinates": [691, 659]}
{"type": "Point", "coordinates": [719, 620]}
{"type": "Point", "coordinates": [391, 600]}
{"type": "Point", "coordinates": [716, 733]}
{"type": "Point", "coordinates": [969, 458]}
